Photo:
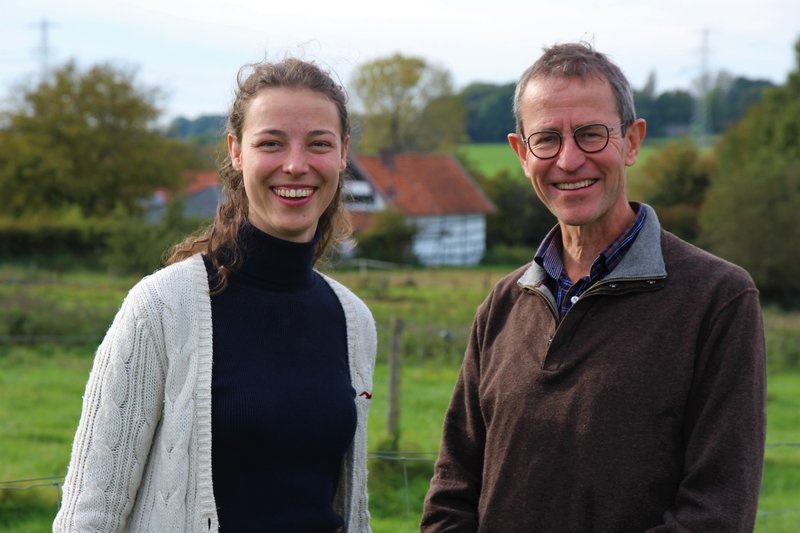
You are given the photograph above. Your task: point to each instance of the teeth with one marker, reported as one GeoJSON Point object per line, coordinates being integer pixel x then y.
{"type": "Point", "coordinates": [573, 186]}
{"type": "Point", "coordinates": [285, 192]}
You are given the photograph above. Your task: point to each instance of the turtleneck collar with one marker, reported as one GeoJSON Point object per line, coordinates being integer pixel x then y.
{"type": "Point", "coordinates": [273, 263]}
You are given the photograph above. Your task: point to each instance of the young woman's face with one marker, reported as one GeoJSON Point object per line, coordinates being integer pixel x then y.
{"type": "Point", "coordinates": [290, 154]}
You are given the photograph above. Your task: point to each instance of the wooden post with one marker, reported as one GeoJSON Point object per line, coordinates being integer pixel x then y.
{"type": "Point", "coordinates": [395, 367]}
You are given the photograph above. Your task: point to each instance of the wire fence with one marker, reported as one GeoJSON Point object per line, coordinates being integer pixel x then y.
{"type": "Point", "coordinates": [421, 341]}
{"type": "Point", "coordinates": [404, 458]}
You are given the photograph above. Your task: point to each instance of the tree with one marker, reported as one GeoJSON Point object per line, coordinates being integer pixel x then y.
{"type": "Point", "coordinates": [731, 97]}
{"type": "Point", "coordinates": [403, 98]}
{"type": "Point", "coordinates": [750, 215]}
{"type": "Point", "coordinates": [666, 112]}
{"type": "Point", "coordinates": [678, 175]}
{"type": "Point", "coordinates": [390, 238]}
{"type": "Point", "coordinates": [520, 219]}
{"type": "Point", "coordinates": [85, 139]}
{"type": "Point", "coordinates": [490, 111]}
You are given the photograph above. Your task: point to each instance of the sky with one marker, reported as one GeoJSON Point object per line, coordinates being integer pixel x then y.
{"type": "Point", "coordinates": [193, 50]}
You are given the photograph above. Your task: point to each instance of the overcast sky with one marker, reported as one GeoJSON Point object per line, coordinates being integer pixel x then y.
{"type": "Point", "coordinates": [193, 49]}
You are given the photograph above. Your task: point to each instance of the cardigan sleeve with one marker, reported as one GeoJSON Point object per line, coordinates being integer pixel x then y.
{"type": "Point", "coordinates": [121, 409]}
{"type": "Point", "coordinates": [725, 426]}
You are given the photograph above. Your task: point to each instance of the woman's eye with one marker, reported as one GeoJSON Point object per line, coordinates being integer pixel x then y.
{"type": "Point", "coordinates": [268, 144]}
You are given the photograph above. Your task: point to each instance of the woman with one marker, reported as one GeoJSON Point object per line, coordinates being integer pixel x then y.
{"type": "Point", "coordinates": [274, 438]}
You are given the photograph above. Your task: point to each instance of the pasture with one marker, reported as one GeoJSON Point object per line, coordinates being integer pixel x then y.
{"type": "Point", "coordinates": [50, 324]}
{"type": "Point", "coordinates": [491, 158]}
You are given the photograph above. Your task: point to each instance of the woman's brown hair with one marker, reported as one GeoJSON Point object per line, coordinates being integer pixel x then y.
{"type": "Point", "coordinates": [220, 240]}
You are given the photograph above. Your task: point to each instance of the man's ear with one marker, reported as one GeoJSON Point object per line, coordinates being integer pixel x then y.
{"type": "Point", "coordinates": [634, 138]}
{"type": "Point", "coordinates": [517, 144]}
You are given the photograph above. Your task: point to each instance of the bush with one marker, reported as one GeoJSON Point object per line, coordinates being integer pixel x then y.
{"type": "Point", "coordinates": [54, 240]}
{"type": "Point", "coordinates": [506, 255]}
{"type": "Point", "coordinates": [680, 175]}
{"type": "Point", "coordinates": [388, 239]}
{"type": "Point", "coordinates": [135, 246]}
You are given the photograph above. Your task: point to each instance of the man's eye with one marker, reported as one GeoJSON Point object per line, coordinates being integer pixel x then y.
{"type": "Point", "coordinates": [544, 139]}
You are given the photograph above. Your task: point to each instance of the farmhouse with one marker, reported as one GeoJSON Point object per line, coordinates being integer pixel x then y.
{"type": "Point", "coordinates": [199, 198]}
{"type": "Point", "coordinates": [433, 191]}
{"type": "Point", "coordinates": [435, 194]}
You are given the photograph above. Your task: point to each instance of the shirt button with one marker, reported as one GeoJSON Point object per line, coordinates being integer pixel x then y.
{"type": "Point", "coordinates": [574, 300]}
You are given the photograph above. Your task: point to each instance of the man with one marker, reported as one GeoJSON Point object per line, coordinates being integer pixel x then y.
{"type": "Point", "coordinates": [617, 383]}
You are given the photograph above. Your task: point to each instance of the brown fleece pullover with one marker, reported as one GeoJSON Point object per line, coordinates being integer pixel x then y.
{"type": "Point", "coordinates": [643, 410]}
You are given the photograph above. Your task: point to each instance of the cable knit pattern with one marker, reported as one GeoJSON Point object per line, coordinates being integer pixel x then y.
{"type": "Point", "coordinates": [141, 459]}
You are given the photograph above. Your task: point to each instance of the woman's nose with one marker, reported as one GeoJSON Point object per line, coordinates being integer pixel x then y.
{"type": "Point", "coordinates": [296, 161]}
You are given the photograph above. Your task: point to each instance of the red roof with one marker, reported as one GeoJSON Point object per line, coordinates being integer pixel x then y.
{"type": "Point", "coordinates": [360, 220]}
{"type": "Point", "coordinates": [200, 180]}
{"type": "Point", "coordinates": [424, 184]}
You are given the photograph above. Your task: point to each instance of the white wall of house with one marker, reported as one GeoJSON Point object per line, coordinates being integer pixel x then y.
{"type": "Point", "coordinates": [359, 195]}
{"type": "Point", "coordinates": [455, 240]}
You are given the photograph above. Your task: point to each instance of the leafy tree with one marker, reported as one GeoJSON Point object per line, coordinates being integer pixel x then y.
{"type": "Point", "coordinates": [678, 175]}
{"type": "Point", "coordinates": [403, 98]}
{"type": "Point", "coordinates": [520, 219]}
{"type": "Point", "coordinates": [389, 238]}
{"type": "Point", "coordinates": [731, 97]}
{"type": "Point", "coordinates": [490, 113]}
{"type": "Point", "coordinates": [665, 112]}
{"type": "Point", "coordinates": [205, 130]}
{"type": "Point", "coordinates": [751, 215]}
{"type": "Point", "coordinates": [85, 139]}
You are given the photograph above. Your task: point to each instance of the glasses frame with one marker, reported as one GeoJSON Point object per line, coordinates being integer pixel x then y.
{"type": "Point", "coordinates": [609, 131]}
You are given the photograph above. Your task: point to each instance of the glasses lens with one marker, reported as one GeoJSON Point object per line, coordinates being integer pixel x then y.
{"type": "Point", "coordinates": [592, 137]}
{"type": "Point", "coordinates": [544, 144]}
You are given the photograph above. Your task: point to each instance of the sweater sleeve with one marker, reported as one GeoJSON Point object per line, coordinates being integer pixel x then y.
{"type": "Point", "coordinates": [451, 504]}
{"type": "Point", "coordinates": [725, 425]}
{"type": "Point", "coordinates": [121, 408]}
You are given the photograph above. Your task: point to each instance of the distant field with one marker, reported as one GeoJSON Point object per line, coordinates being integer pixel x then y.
{"type": "Point", "coordinates": [491, 158]}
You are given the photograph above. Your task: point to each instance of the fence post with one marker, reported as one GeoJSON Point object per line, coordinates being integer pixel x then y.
{"type": "Point", "coordinates": [395, 356]}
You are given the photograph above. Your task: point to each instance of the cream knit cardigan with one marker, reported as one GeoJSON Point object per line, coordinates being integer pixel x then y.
{"type": "Point", "coordinates": [141, 459]}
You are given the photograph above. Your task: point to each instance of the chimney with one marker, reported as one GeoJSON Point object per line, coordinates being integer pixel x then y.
{"type": "Point", "coordinates": [387, 158]}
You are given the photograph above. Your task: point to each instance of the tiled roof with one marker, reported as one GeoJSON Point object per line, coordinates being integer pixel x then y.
{"type": "Point", "coordinates": [360, 220]}
{"type": "Point", "coordinates": [199, 180]}
{"type": "Point", "coordinates": [424, 184]}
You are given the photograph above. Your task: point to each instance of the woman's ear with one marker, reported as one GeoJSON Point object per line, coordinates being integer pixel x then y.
{"type": "Point", "coordinates": [345, 147]}
{"type": "Point", "coordinates": [235, 152]}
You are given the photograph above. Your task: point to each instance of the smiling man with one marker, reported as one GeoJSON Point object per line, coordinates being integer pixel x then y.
{"type": "Point", "coordinates": [616, 383]}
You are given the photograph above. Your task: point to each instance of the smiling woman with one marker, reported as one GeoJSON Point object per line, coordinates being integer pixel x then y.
{"type": "Point", "coordinates": [291, 153]}
{"type": "Point", "coordinates": [274, 439]}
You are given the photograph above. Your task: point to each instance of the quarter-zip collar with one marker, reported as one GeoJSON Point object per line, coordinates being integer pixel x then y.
{"type": "Point", "coordinates": [643, 260]}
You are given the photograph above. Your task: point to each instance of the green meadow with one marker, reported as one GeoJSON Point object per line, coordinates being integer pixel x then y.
{"type": "Point", "coordinates": [491, 158]}
{"type": "Point", "coordinates": [56, 321]}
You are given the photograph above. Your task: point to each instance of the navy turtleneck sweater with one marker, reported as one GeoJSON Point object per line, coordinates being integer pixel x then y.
{"type": "Point", "coordinates": [282, 404]}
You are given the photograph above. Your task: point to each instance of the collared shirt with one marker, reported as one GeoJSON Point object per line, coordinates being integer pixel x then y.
{"type": "Point", "coordinates": [548, 256]}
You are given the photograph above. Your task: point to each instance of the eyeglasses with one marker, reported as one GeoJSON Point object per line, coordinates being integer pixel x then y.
{"type": "Point", "coordinates": [591, 138]}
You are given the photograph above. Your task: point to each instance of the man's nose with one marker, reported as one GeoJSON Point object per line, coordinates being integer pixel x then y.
{"type": "Point", "coordinates": [571, 157]}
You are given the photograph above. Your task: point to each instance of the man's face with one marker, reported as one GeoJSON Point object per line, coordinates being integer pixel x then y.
{"type": "Point", "coordinates": [579, 188]}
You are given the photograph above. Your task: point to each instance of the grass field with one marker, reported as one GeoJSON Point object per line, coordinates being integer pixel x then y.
{"type": "Point", "coordinates": [41, 386]}
{"type": "Point", "coordinates": [491, 158]}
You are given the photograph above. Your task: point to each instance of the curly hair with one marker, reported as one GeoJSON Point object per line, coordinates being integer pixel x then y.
{"type": "Point", "coordinates": [220, 240]}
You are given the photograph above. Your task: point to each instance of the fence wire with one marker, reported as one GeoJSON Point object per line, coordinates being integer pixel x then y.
{"type": "Point", "coordinates": [402, 457]}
